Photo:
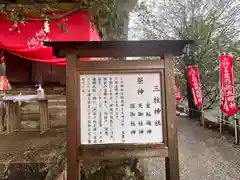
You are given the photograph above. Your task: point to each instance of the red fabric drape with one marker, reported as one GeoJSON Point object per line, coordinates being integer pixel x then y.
{"type": "Point", "coordinates": [227, 100]}
{"type": "Point", "coordinates": [27, 43]}
{"type": "Point", "coordinates": [195, 85]}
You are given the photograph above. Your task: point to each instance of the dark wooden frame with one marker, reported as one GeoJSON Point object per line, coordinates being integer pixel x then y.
{"type": "Point", "coordinates": [103, 151]}
{"type": "Point", "coordinates": [73, 50]}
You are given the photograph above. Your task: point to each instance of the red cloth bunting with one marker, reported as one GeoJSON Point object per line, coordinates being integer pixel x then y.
{"type": "Point", "coordinates": [27, 39]}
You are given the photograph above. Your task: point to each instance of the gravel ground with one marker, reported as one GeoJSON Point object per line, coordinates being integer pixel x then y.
{"type": "Point", "coordinates": [204, 155]}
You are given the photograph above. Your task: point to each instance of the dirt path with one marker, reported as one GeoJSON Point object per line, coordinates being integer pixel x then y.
{"type": "Point", "coordinates": [203, 155]}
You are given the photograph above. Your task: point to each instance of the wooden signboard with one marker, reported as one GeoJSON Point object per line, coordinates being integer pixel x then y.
{"type": "Point", "coordinates": [121, 109]}
{"type": "Point", "coordinates": [121, 112]}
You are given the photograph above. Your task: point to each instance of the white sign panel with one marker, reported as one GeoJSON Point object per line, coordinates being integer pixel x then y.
{"type": "Point", "coordinates": [121, 108]}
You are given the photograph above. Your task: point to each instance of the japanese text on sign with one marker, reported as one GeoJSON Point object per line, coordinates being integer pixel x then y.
{"type": "Point", "coordinates": [124, 108]}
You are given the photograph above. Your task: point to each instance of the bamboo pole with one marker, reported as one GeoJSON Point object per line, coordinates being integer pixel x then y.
{"type": "Point", "coordinates": [202, 117]}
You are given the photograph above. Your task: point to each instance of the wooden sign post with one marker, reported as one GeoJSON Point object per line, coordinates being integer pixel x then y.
{"type": "Point", "coordinates": [121, 109]}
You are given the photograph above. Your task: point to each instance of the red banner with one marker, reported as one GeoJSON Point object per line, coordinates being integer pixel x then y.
{"type": "Point", "coordinates": [26, 40]}
{"type": "Point", "coordinates": [194, 83]}
{"type": "Point", "coordinates": [227, 101]}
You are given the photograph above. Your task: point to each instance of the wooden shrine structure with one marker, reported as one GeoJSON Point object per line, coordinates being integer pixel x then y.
{"type": "Point", "coordinates": [164, 142]}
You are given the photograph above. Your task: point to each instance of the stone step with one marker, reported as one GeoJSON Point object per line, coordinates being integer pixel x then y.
{"type": "Point", "coordinates": [35, 116]}
{"type": "Point", "coordinates": [51, 103]}
{"type": "Point", "coordinates": [31, 125]}
{"type": "Point", "coordinates": [57, 114]}
{"type": "Point", "coordinates": [31, 121]}
{"type": "Point", "coordinates": [30, 117]}
{"type": "Point", "coordinates": [51, 109]}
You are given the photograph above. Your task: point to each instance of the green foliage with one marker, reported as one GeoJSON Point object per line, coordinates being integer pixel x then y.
{"type": "Point", "coordinates": [214, 25]}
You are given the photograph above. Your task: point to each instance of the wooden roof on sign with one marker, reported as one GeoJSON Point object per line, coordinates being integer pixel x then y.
{"type": "Point", "coordinates": [118, 48]}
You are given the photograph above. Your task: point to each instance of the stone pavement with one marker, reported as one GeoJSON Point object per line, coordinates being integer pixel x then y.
{"type": "Point", "coordinates": [204, 155]}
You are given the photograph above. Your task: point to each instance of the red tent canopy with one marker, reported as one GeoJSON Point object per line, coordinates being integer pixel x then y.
{"type": "Point", "coordinates": [27, 40]}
